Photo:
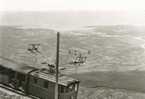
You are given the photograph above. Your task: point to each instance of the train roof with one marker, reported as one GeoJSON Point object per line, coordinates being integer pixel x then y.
{"type": "Point", "coordinates": [23, 68]}
{"type": "Point", "coordinates": [63, 79]}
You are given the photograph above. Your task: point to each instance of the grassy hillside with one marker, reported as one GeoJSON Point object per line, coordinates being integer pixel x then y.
{"type": "Point", "coordinates": [129, 80]}
{"type": "Point", "coordinates": [115, 63]}
{"type": "Point", "coordinates": [107, 93]}
{"type": "Point", "coordinates": [111, 47]}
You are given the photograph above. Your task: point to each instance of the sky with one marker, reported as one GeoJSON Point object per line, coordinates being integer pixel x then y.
{"type": "Point", "coordinates": [68, 13]}
{"type": "Point", "coordinates": [45, 5]}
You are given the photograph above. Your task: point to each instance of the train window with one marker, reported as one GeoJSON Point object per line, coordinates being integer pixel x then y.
{"type": "Point", "coordinates": [35, 80]}
{"type": "Point", "coordinates": [45, 84]}
{"type": "Point", "coordinates": [62, 89]}
{"type": "Point", "coordinates": [21, 77]}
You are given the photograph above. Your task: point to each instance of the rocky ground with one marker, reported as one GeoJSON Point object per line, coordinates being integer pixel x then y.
{"type": "Point", "coordinates": [5, 94]}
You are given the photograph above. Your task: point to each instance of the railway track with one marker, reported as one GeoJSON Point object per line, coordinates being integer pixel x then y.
{"type": "Point", "coordinates": [20, 93]}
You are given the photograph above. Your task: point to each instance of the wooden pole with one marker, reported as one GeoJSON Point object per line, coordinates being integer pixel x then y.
{"type": "Point", "coordinates": [57, 66]}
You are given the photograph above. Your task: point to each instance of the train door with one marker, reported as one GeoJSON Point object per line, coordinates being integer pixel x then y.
{"type": "Point", "coordinates": [70, 91]}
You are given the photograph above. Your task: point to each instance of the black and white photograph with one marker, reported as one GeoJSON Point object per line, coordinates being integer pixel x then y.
{"type": "Point", "coordinates": [72, 49]}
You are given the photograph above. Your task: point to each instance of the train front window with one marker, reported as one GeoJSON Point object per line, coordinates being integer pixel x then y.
{"type": "Point", "coordinates": [71, 87]}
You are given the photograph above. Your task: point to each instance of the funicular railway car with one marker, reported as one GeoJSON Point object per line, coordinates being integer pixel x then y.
{"type": "Point", "coordinates": [36, 82]}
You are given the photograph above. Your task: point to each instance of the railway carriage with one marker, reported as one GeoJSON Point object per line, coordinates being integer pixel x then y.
{"type": "Point", "coordinates": [36, 82]}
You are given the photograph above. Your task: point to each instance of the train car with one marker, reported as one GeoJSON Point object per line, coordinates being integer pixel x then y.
{"type": "Point", "coordinates": [36, 82]}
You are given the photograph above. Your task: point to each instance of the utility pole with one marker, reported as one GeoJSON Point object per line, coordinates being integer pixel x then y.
{"type": "Point", "coordinates": [57, 66]}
